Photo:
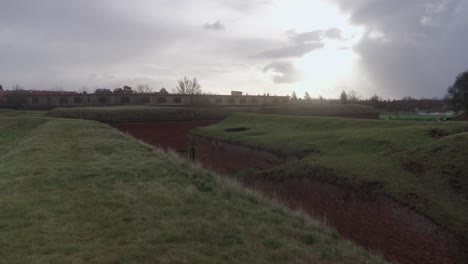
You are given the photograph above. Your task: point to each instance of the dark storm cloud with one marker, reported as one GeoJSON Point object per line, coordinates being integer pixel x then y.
{"type": "Point", "coordinates": [283, 72]}
{"type": "Point", "coordinates": [411, 47]}
{"type": "Point", "coordinates": [214, 26]}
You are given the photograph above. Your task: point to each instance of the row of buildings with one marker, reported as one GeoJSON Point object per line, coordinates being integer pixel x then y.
{"type": "Point", "coordinates": [50, 99]}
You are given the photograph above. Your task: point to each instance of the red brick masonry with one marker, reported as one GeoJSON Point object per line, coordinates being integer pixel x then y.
{"type": "Point", "coordinates": [165, 134]}
{"type": "Point", "coordinates": [381, 224]}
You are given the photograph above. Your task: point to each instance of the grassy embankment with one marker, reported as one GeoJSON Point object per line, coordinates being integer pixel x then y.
{"type": "Point", "coordinates": [76, 191]}
{"type": "Point", "coordinates": [395, 158]}
{"type": "Point", "coordinates": [155, 113]}
{"type": "Point", "coordinates": [414, 117]}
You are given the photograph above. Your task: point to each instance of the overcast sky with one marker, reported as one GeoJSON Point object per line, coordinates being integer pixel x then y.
{"type": "Point", "coordinates": [391, 48]}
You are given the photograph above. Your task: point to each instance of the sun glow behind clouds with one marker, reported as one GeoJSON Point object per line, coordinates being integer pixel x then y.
{"type": "Point", "coordinates": [328, 70]}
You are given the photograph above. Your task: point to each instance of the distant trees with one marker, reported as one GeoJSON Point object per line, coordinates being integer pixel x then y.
{"type": "Point", "coordinates": [163, 91]}
{"type": "Point", "coordinates": [188, 86]}
{"type": "Point", "coordinates": [124, 90]}
{"type": "Point", "coordinates": [17, 87]}
{"type": "Point", "coordinates": [144, 88]}
{"type": "Point", "coordinates": [353, 97]}
{"type": "Point", "coordinates": [408, 98]}
{"type": "Point", "coordinates": [102, 91]}
{"type": "Point", "coordinates": [377, 102]}
{"type": "Point", "coordinates": [294, 96]}
{"type": "Point", "coordinates": [344, 97]}
{"type": "Point", "coordinates": [457, 94]}
{"type": "Point", "coordinates": [307, 97]}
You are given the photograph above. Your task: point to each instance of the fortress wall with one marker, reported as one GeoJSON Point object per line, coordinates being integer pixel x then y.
{"type": "Point", "coordinates": [165, 134]}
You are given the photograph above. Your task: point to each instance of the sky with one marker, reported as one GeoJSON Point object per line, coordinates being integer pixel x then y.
{"type": "Point", "coordinates": [390, 48]}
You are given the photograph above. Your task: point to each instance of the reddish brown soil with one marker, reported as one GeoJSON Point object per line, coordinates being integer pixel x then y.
{"type": "Point", "coordinates": [462, 118]}
{"type": "Point", "coordinates": [165, 134]}
{"type": "Point", "coordinates": [228, 158]}
{"type": "Point", "coordinates": [380, 224]}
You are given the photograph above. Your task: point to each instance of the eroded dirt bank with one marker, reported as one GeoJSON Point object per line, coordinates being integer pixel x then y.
{"type": "Point", "coordinates": [165, 134]}
{"type": "Point", "coordinates": [379, 223]}
{"type": "Point", "coordinates": [228, 158]}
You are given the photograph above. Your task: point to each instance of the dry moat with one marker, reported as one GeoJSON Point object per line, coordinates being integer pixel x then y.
{"type": "Point", "coordinates": [375, 221]}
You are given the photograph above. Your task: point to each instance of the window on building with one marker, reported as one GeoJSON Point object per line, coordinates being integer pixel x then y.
{"type": "Point", "coordinates": [243, 101]}
{"type": "Point", "coordinates": [254, 101]}
{"type": "Point", "coordinates": [103, 100]}
{"type": "Point", "coordinates": [275, 100]}
{"type": "Point", "coordinates": [177, 100]}
{"type": "Point", "coordinates": [231, 101]}
{"type": "Point", "coordinates": [162, 100]}
{"type": "Point", "coordinates": [35, 100]}
{"type": "Point", "coordinates": [63, 100]}
{"type": "Point", "coordinates": [219, 100]}
{"type": "Point", "coordinates": [124, 100]}
{"type": "Point", "coordinates": [77, 100]}
{"type": "Point", "coordinates": [146, 100]}
{"type": "Point", "coordinates": [285, 100]}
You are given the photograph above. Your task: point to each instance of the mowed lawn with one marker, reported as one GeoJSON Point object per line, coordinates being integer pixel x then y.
{"type": "Point", "coordinates": [75, 191]}
{"type": "Point", "coordinates": [423, 165]}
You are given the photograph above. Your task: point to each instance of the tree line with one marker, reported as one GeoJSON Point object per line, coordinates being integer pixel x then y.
{"type": "Point", "coordinates": [456, 98]}
{"type": "Point", "coordinates": [184, 86]}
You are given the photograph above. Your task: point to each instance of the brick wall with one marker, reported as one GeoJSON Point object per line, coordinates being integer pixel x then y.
{"type": "Point", "coordinates": [165, 134]}
{"type": "Point", "coordinates": [380, 224]}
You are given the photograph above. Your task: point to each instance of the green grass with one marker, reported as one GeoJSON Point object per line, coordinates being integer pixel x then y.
{"type": "Point", "coordinates": [156, 113]}
{"type": "Point", "coordinates": [76, 191]}
{"type": "Point", "coordinates": [396, 158]}
{"type": "Point", "coordinates": [14, 113]}
{"type": "Point", "coordinates": [414, 117]}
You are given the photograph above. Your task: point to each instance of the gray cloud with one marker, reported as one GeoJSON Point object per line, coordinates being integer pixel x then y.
{"type": "Point", "coordinates": [283, 72]}
{"type": "Point", "coordinates": [297, 50]}
{"type": "Point", "coordinates": [411, 47]}
{"type": "Point", "coordinates": [300, 44]}
{"type": "Point", "coordinates": [333, 33]}
{"type": "Point", "coordinates": [214, 26]}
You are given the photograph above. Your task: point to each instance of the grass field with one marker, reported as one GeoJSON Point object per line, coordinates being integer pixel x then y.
{"type": "Point", "coordinates": [76, 191]}
{"type": "Point", "coordinates": [399, 159]}
{"type": "Point", "coordinates": [414, 117]}
{"type": "Point", "coordinates": [155, 113]}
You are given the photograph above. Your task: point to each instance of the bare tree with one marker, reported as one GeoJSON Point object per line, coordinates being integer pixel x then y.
{"type": "Point", "coordinates": [187, 86]}
{"type": "Point", "coordinates": [353, 97]}
{"type": "Point", "coordinates": [17, 87]}
{"type": "Point", "coordinates": [144, 88]}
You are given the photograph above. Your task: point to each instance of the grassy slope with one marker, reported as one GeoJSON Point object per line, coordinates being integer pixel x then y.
{"type": "Point", "coordinates": [396, 158]}
{"type": "Point", "coordinates": [75, 191]}
{"type": "Point", "coordinates": [155, 113]}
{"type": "Point", "coordinates": [414, 117]}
